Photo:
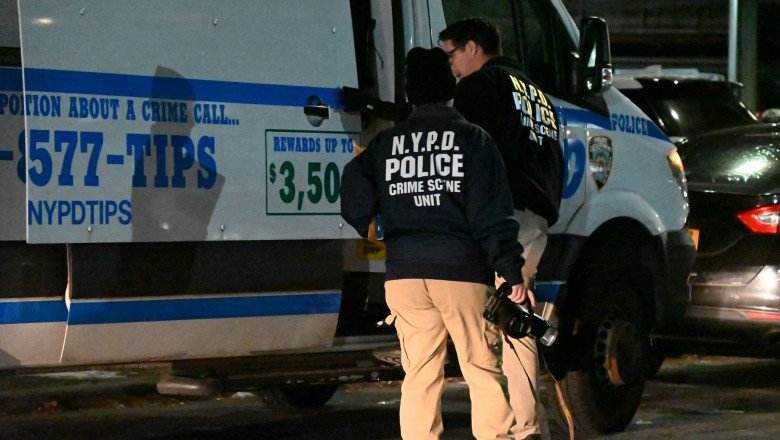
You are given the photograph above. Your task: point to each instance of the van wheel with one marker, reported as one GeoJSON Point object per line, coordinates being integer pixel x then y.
{"type": "Point", "coordinates": [610, 345]}
{"type": "Point", "coordinates": [305, 396]}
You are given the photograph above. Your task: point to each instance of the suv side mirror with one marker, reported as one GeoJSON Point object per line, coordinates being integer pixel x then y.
{"type": "Point", "coordinates": [595, 61]}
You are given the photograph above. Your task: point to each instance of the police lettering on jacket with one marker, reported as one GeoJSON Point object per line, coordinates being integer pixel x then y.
{"type": "Point", "coordinates": [424, 164]}
{"type": "Point", "coordinates": [538, 114]}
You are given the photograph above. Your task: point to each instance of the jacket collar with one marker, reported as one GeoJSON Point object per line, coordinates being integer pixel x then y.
{"type": "Point", "coordinates": [501, 61]}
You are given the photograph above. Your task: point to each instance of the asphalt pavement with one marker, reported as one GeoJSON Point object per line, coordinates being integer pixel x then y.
{"type": "Point", "coordinates": [692, 398]}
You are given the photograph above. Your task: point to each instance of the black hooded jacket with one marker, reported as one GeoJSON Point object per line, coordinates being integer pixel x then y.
{"type": "Point", "coordinates": [524, 125]}
{"type": "Point", "coordinates": [440, 185]}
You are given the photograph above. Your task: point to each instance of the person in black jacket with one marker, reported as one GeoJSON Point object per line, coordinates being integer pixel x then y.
{"type": "Point", "coordinates": [494, 93]}
{"type": "Point", "coordinates": [440, 185]}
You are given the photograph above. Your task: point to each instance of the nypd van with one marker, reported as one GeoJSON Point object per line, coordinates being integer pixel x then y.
{"type": "Point", "coordinates": [171, 178]}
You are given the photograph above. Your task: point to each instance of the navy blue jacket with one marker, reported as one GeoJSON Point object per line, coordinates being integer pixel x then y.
{"type": "Point", "coordinates": [523, 123]}
{"type": "Point", "coordinates": [440, 185]}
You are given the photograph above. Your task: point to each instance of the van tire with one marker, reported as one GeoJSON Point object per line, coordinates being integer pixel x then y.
{"type": "Point", "coordinates": [610, 344]}
{"type": "Point", "coordinates": [304, 396]}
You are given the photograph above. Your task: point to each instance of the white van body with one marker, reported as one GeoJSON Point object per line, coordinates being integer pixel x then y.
{"type": "Point", "coordinates": [171, 173]}
{"type": "Point", "coordinates": [154, 124]}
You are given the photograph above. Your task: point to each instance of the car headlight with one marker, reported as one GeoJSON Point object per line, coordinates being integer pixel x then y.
{"type": "Point", "coordinates": [678, 171]}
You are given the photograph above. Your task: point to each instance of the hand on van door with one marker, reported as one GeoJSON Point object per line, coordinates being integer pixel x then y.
{"type": "Point", "coordinates": [355, 100]}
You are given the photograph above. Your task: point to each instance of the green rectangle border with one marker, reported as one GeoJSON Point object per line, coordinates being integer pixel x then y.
{"type": "Point", "coordinates": [276, 130]}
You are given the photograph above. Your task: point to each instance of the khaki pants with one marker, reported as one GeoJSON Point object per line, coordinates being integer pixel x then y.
{"type": "Point", "coordinates": [425, 311]}
{"type": "Point", "coordinates": [520, 358]}
{"type": "Point", "coordinates": [521, 369]}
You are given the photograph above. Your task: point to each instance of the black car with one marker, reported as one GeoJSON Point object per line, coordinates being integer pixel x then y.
{"type": "Point", "coordinates": [687, 106]}
{"type": "Point", "coordinates": [732, 164]}
{"type": "Point", "coordinates": [734, 192]}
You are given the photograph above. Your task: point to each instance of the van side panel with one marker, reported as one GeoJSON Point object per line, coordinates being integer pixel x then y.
{"type": "Point", "coordinates": [166, 135]}
{"type": "Point", "coordinates": [178, 166]}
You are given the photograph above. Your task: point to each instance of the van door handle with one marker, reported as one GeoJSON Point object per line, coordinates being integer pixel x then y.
{"type": "Point", "coordinates": [316, 110]}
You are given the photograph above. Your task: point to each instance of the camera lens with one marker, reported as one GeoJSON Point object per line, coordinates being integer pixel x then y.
{"type": "Point", "coordinates": [549, 336]}
{"type": "Point", "coordinates": [516, 327]}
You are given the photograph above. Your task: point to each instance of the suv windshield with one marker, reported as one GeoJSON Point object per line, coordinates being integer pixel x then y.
{"type": "Point", "coordinates": [684, 108]}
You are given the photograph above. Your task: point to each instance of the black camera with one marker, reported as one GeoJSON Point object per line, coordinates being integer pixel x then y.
{"type": "Point", "coordinates": [515, 320]}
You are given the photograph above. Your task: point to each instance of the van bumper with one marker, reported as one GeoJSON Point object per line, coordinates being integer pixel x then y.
{"type": "Point", "coordinates": [680, 251]}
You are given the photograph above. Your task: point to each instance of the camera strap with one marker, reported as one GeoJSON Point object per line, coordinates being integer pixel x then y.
{"type": "Point", "coordinates": [559, 393]}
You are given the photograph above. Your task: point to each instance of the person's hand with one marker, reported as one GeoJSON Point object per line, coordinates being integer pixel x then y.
{"type": "Point", "coordinates": [519, 294]}
{"type": "Point", "coordinates": [354, 100]}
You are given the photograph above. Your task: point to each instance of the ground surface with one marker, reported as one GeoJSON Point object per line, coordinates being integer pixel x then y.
{"type": "Point", "coordinates": [691, 398]}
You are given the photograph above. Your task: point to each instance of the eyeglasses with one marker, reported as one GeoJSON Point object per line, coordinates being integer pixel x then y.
{"type": "Point", "coordinates": [449, 53]}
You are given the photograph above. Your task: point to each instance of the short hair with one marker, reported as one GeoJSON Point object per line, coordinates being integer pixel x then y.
{"type": "Point", "coordinates": [429, 78]}
{"type": "Point", "coordinates": [477, 29]}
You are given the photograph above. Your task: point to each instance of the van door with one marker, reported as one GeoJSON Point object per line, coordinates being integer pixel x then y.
{"type": "Point", "coordinates": [186, 121]}
{"type": "Point", "coordinates": [548, 48]}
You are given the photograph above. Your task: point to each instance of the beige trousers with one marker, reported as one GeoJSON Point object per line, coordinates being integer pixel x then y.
{"type": "Point", "coordinates": [520, 357]}
{"type": "Point", "coordinates": [425, 312]}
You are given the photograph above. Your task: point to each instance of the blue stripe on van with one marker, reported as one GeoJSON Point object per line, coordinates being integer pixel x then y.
{"type": "Point", "coordinates": [578, 116]}
{"type": "Point", "coordinates": [113, 312]}
{"type": "Point", "coordinates": [157, 87]}
{"type": "Point", "coordinates": [29, 312]}
{"type": "Point", "coordinates": [655, 132]}
{"type": "Point", "coordinates": [152, 87]}
{"type": "Point", "coordinates": [11, 79]}
{"type": "Point", "coordinates": [581, 117]}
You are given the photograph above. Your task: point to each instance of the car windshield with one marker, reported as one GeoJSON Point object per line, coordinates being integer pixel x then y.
{"type": "Point", "coordinates": [687, 108]}
{"type": "Point", "coordinates": [745, 163]}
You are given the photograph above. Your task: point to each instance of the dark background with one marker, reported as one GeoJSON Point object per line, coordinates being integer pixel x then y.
{"type": "Point", "coordinates": [694, 33]}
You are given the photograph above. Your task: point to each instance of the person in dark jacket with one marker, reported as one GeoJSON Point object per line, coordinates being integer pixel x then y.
{"type": "Point", "coordinates": [494, 93]}
{"type": "Point", "coordinates": [440, 186]}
